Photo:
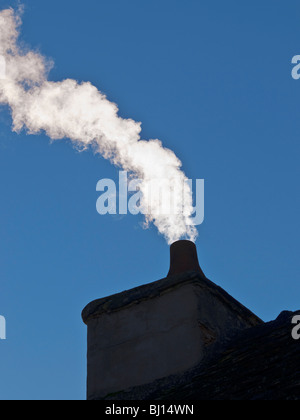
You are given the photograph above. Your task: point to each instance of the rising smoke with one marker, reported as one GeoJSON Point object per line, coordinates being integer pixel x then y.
{"type": "Point", "coordinates": [81, 113]}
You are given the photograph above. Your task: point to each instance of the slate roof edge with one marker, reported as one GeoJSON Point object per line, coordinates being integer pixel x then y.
{"type": "Point", "coordinates": [151, 290]}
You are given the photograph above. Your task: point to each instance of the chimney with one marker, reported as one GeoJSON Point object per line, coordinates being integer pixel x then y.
{"type": "Point", "coordinates": [184, 258]}
{"type": "Point", "coordinates": [159, 329]}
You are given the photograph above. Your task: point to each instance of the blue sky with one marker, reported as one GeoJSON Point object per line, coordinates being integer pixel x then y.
{"type": "Point", "coordinates": [212, 80]}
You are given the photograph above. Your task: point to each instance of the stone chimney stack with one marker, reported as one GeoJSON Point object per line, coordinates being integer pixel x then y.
{"type": "Point", "coordinates": [159, 329]}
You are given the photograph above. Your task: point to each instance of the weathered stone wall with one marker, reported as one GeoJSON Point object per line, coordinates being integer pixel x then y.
{"type": "Point", "coordinates": [260, 363]}
{"type": "Point", "coordinates": [157, 330]}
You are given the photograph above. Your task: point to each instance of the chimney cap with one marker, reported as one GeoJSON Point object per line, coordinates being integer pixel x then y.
{"type": "Point", "coordinates": [184, 258]}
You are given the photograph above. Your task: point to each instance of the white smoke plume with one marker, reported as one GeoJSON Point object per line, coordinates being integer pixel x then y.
{"type": "Point", "coordinates": [81, 113]}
